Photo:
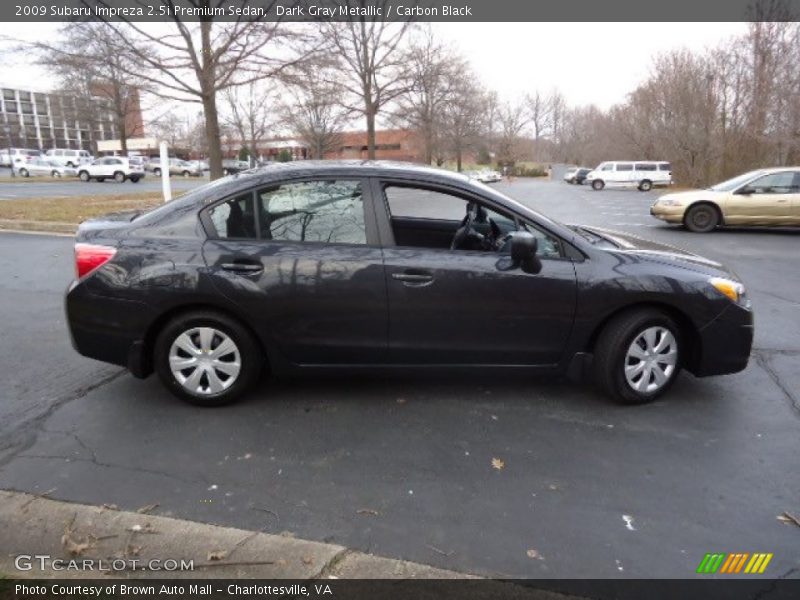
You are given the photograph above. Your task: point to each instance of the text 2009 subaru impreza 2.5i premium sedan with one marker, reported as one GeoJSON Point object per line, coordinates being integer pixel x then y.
{"type": "Point", "coordinates": [382, 265]}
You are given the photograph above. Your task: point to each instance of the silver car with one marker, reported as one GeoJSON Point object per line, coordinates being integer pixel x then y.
{"type": "Point", "coordinates": [42, 167]}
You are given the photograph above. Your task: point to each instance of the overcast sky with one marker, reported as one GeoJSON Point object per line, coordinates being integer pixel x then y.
{"type": "Point", "coordinates": [595, 63]}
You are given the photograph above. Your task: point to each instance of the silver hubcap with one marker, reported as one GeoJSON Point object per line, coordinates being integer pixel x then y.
{"type": "Point", "coordinates": [205, 361]}
{"type": "Point", "coordinates": [651, 359]}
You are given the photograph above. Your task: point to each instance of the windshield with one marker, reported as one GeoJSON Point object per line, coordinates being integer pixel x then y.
{"type": "Point", "coordinates": [732, 184]}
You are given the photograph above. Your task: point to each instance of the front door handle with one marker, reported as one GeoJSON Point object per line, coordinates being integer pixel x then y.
{"type": "Point", "coordinates": [414, 278]}
{"type": "Point", "coordinates": [243, 267]}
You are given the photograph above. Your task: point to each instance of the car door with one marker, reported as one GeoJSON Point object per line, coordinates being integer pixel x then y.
{"type": "Point", "coordinates": [461, 306]}
{"type": "Point", "coordinates": [301, 260]}
{"type": "Point", "coordinates": [767, 200]}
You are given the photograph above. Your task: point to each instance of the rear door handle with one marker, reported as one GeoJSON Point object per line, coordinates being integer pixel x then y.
{"type": "Point", "coordinates": [418, 278]}
{"type": "Point", "coordinates": [243, 267]}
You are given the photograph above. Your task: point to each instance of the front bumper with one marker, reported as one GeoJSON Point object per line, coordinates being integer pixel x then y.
{"type": "Point", "coordinates": [725, 343]}
{"type": "Point", "coordinates": [669, 214]}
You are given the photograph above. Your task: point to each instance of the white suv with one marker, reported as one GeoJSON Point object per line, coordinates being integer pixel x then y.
{"type": "Point", "coordinates": [111, 167]}
{"type": "Point", "coordinates": [69, 158]}
{"type": "Point", "coordinates": [643, 174]}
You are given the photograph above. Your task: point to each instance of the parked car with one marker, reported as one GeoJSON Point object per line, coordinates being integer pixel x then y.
{"type": "Point", "coordinates": [69, 158]}
{"type": "Point", "coordinates": [576, 175]}
{"type": "Point", "coordinates": [643, 174]}
{"type": "Point", "coordinates": [762, 197]}
{"type": "Point", "coordinates": [306, 265]}
{"type": "Point", "coordinates": [177, 166]}
{"type": "Point", "coordinates": [112, 167]}
{"type": "Point", "coordinates": [14, 157]}
{"type": "Point", "coordinates": [231, 167]}
{"type": "Point", "coordinates": [42, 167]}
{"type": "Point", "coordinates": [201, 165]}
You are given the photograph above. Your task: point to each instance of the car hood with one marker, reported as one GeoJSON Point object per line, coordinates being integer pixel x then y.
{"type": "Point", "coordinates": [651, 251]}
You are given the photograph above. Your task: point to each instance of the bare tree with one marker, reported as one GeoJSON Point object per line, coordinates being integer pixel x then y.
{"type": "Point", "coordinates": [197, 61]}
{"type": "Point", "coordinates": [313, 111]}
{"type": "Point", "coordinates": [435, 72]}
{"type": "Point", "coordinates": [93, 67]}
{"type": "Point", "coordinates": [372, 72]}
{"type": "Point", "coordinates": [513, 119]}
{"type": "Point", "coordinates": [250, 110]}
{"type": "Point", "coordinates": [464, 118]}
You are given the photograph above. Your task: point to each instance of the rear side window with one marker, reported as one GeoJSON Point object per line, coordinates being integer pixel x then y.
{"type": "Point", "coordinates": [235, 218]}
{"type": "Point", "coordinates": [645, 166]}
{"type": "Point", "coordinates": [664, 167]}
{"type": "Point", "coordinates": [624, 167]}
{"type": "Point", "coordinates": [330, 212]}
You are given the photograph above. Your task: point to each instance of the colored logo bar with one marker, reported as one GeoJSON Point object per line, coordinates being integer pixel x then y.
{"type": "Point", "coordinates": [739, 562]}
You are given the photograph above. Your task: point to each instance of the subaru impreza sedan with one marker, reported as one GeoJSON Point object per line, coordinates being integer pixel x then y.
{"type": "Point", "coordinates": [373, 265]}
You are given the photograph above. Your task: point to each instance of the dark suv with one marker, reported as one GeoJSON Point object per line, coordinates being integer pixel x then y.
{"type": "Point", "coordinates": [380, 265]}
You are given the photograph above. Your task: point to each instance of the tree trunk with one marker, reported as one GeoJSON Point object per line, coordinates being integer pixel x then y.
{"type": "Point", "coordinates": [212, 135]}
{"type": "Point", "coordinates": [370, 132]}
{"type": "Point", "coordinates": [458, 158]}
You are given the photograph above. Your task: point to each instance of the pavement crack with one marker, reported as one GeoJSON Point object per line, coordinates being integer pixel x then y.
{"type": "Point", "coordinates": [763, 361]}
{"type": "Point", "coordinates": [774, 583]}
{"type": "Point", "coordinates": [24, 435]}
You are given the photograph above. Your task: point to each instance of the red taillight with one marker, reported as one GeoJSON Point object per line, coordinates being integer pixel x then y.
{"type": "Point", "coordinates": [89, 257]}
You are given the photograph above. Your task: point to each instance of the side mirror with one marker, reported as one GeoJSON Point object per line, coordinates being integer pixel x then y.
{"type": "Point", "coordinates": [745, 191]}
{"type": "Point", "coordinates": [524, 246]}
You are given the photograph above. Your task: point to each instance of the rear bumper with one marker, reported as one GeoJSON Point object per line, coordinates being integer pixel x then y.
{"type": "Point", "coordinates": [725, 343]}
{"type": "Point", "coordinates": [108, 329]}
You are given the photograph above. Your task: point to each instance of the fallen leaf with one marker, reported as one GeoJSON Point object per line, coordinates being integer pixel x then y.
{"type": "Point", "coordinates": [146, 509]}
{"type": "Point", "coordinates": [367, 511]}
{"type": "Point", "coordinates": [534, 554]}
{"type": "Point", "coordinates": [132, 550]}
{"type": "Point", "coordinates": [498, 464]}
{"type": "Point", "coordinates": [553, 487]}
{"type": "Point", "coordinates": [307, 560]}
{"type": "Point", "coordinates": [109, 507]}
{"type": "Point", "coordinates": [286, 534]}
{"type": "Point", "coordinates": [217, 555]}
{"type": "Point", "coordinates": [788, 517]}
{"type": "Point", "coordinates": [73, 547]}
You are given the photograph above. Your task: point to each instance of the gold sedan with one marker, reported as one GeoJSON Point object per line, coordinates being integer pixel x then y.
{"type": "Point", "coordinates": [763, 197]}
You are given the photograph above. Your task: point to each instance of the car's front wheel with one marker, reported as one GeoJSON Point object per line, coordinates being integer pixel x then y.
{"type": "Point", "coordinates": [598, 184]}
{"type": "Point", "coordinates": [207, 358]}
{"type": "Point", "coordinates": [637, 356]}
{"type": "Point", "coordinates": [701, 218]}
{"type": "Point", "coordinates": [84, 176]}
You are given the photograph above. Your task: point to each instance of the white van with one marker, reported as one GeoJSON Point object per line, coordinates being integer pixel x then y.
{"type": "Point", "coordinates": [17, 156]}
{"type": "Point", "coordinates": [70, 158]}
{"type": "Point", "coordinates": [643, 174]}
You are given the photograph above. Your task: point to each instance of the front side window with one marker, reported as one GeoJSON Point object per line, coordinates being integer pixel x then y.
{"type": "Point", "coordinates": [774, 183]}
{"type": "Point", "coordinates": [607, 167]}
{"type": "Point", "coordinates": [330, 212]}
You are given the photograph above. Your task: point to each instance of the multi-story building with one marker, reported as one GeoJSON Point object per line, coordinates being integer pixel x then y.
{"type": "Point", "coordinates": [42, 120]}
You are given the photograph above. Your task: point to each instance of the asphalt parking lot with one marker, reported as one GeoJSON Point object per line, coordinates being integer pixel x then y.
{"type": "Point", "coordinates": [42, 187]}
{"type": "Point", "coordinates": [403, 466]}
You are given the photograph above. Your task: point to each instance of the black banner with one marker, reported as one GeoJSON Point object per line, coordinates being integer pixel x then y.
{"type": "Point", "coordinates": [401, 10]}
{"type": "Point", "coordinates": [335, 589]}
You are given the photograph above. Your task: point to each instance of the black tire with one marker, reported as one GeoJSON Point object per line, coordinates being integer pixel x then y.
{"type": "Point", "coordinates": [157, 172]}
{"type": "Point", "coordinates": [100, 179]}
{"type": "Point", "coordinates": [645, 185]}
{"type": "Point", "coordinates": [70, 165]}
{"type": "Point", "coordinates": [250, 355]}
{"type": "Point", "coordinates": [598, 184]}
{"type": "Point", "coordinates": [611, 349]}
{"type": "Point", "coordinates": [186, 174]}
{"type": "Point", "coordinates": [119, 177]}
{"type": "Point", "coordinates": [701, 218]}
{"type": "Point", "coordinates": [134, 179]}
{"type": "Point", "coordinates": [84, 176]}
{"type": "Point", "coordinates": [24, 173]}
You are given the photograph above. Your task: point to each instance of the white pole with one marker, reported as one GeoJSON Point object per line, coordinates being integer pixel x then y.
{"type": "Point", "coordinates": [165, 187]}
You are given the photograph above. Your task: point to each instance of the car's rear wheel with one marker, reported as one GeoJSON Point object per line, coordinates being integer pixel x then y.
{"type": "Point", "coordinates": [55, 174]}
{"type": "Point", "coordinates": [157, 172]}
{"type": "Point", "coordinates": [598, 184]}
{"type": "Point", "coordinates": [186, 174]}
{"type": "Point", "coordinates": [637, 356]}
{"type": "Point", "coordinates": [24, 173]}
{"type": "Point", "coordinates": [119, 177]}
{"type": "Point", "coordinates": [84, 176]}
{"type": "Point", "coordinates": [207, 358]}
{"type": "Point", "coordinates": [701, 218]}
{"type": "Point", "coordinates": [645, 185]}
{"type": "Point", "coordinates": [135, 179]}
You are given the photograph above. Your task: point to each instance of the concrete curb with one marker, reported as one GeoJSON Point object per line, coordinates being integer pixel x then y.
{"type": "Point", "coordinates": [33, 525]}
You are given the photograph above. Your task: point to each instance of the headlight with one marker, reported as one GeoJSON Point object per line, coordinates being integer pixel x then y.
{"type": "Point", "coordinates": [734, 290]}
{"type": "Point", "coordinates": [668, 202]}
